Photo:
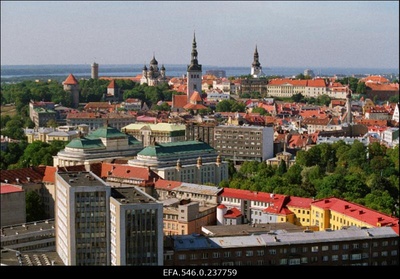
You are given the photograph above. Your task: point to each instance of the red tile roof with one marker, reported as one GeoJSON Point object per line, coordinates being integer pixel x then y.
{"type": "Point", "coordinates": [233, 213]}
{"type": "Point", "coordinates": [179, 101]}
{"type": "Point", "coordinates": [126, 171]}
{"type": "Point", "coordinates": [112, 84]}
{"type": "Point", "coordinates": [251, 195]}
{"type": "Point", "coordinates": [166, 184]}
{"type": "Point", "coordinates": [8, 188]}
{"type": "Point", "coordinates": [358, 212]}
{"type": "Point", "coordinates": [300, 202]}
{"type": "Point", "coordinates": [71, 80]}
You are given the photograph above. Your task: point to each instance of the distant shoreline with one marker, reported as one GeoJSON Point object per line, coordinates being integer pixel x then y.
{"type": "Point", "coordinates": [58, 71]}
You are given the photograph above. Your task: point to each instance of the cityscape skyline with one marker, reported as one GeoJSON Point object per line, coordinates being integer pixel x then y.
{"type": "Point", "coordinates": [324, 34]}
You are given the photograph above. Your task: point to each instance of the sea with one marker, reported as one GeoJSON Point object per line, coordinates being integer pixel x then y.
{"type": "Point", "coordinates": [24, 72]}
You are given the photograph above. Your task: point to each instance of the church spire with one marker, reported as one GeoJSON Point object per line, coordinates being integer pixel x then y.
{"type": "Point", "coordinates": [194, 63]}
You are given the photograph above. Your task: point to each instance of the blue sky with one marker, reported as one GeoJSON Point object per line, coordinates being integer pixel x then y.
{"type": "Point", "coordinates": [359, 34]}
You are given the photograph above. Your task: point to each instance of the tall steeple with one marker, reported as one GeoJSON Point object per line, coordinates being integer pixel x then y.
{"type": "Point", "coordinates": [256, 69]}
{"type": "Point", "coordinates": [194, 63]}
{"type": "Point", "coordinates": [194, 72]}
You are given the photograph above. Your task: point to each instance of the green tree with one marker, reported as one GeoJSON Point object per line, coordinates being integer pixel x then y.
{"type": "Point", "coordinates": [361, 88]}
{"type": "Point", "coordinates": [259, 110]}
{"type": "Point", "coordinates": [34, 207]}
{"type": "Point", "coordinates": [298, 98]}
{"type": "Point", "coordinates": [282, 168]}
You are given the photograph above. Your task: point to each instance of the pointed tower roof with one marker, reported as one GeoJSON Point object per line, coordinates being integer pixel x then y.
{"type": "Point", "coordinates": [194, 63]}
{"type": "Point", "coordinates": [256, 63]}
{"type": "Point", "coordinates": [112, 84]}
{"type": "Point", "coordinates": [71, 80]}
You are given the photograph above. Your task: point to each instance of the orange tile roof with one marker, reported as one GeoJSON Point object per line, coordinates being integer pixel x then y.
{"type": "Point", "coordinates": [50, 174]}
{"type": "Point", "coordinates": [316, 83]}
{"type": "Point", "coordinates": [382, 87]}
{"type": "Point", "coordinates": [112, 84]}
{"type": "Point", "coordinates": [194, 106]}
{"type": "Point", "coordinates": [379, 79]}
{"type": "Point", "coordinates": [71, 80]}
{"type": "Point", "coordinates": [282, 81]}
{"type": "Point", "coordinates": [309, 113]}
{"type": "Point", "coordinates": [179, 101]}
{"type": "Point", "coordinates": [196, 97]}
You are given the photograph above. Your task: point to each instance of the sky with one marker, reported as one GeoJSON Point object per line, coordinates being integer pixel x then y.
{"type": "Point", "coordinates": [345, 34]}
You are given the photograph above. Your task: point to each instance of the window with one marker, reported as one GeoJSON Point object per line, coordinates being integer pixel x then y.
{"type": "Point", "coordinates": [314, 249]}
{"type": "Point", "coordinates": [345, 257]}
{"type": "Point", "coordinates": [335, 258]}
{"type": "Point", "coordinates": [249, 253]}
{"type": "Point", "coordinates": [294, 261]}
{"type": "Point", "coordinates": [355, 257]}
{"type": "Point", "coordinates": [283, 262]}
{"type": "Point", "coordinates": [272, 251]}
{"type": "Point", "coordinates": [216, 255]}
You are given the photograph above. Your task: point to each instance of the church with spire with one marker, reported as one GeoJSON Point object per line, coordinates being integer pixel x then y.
{"type": "Point", "coordinates": [256, 69]}
{"type": "Point", "coordinates": [153, 75]}
{"type": "Point", "coordinates": [194, 73]}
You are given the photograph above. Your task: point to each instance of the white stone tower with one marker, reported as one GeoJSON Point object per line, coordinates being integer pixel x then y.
{"type": "Point", "coordinates": [95, 70]}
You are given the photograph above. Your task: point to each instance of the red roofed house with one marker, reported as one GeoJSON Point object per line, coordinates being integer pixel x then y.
{"type": "Point", "coordinates": [231, 216]}
{"type": "Point", "coordinates": [178, 103]}
{"type": "Point", "coordinates": [13, 208]}
{"type": "Point", "coordinates": [71, 85]}
{"type": "Point", "coordinates": [256, 207]}
{"type": "Point", "coordinates": [334, 213]}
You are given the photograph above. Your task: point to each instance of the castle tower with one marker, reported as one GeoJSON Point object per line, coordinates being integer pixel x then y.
{"type": "Point", "coordinates": [256, 69]}
{"type": "Point", "coordinates": [194, 73]}
{"type": "Point", "coordinates": [71, 85]}
{"type": "Point", "coordinates": [95, 70]}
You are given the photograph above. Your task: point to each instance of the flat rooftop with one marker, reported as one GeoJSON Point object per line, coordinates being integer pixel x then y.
{"type": "Point", "coordinates": [81, 178]}
{"type": "Point", "coordinates": [248, 229]}
{"type": "Point", "coordinates": [130, 195]}
{"type": "Point", "coordinates": [26, 228]}
{"type": "Point", "coordinates": [48, 257]}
